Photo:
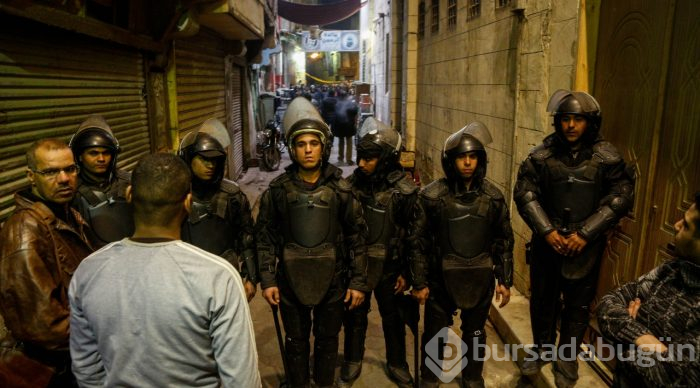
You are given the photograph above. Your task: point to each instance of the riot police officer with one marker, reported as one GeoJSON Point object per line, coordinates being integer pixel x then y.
{"type": "Point", "coordinates": [220, 221]}
{"type": "Point", "coordinates": [394, 218]}
{"type": "Point", "coordinates": [311, 247]}
{"type": "Point", "coordinates": [101, 196]}
{"type": "Point", "coordinates": [571, 190]}
{"type": "Point", "coordinates": [470, 245]}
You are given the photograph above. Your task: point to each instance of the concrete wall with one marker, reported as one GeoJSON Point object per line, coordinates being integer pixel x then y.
{"type": "Point", "coordinates": [498, 68]}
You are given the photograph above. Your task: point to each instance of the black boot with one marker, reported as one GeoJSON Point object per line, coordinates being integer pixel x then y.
{"type": "Point", "coordinates": [532, 364]}
{"type": "Point", "coordinates": [350, 371]}
{"type": "Point", "coordinates": [400, 375]}
{"type": "Point", "coordinates": [565, 373]}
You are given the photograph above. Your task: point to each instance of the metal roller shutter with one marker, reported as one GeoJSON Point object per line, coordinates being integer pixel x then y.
{"type": "Point", "coordinates": [50, 81]}
{"type": "Point", "coordinates": [200, 75]}
{"type": "Point", "coordinates": [235, 105]}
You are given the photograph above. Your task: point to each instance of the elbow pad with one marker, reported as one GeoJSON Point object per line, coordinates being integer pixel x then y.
{"type": "Point", "coordinates": [620, 205]}
{"type": "Point", "coordinates": [539, 221]}
{"type": "Point", "coordinates": [598, 223]}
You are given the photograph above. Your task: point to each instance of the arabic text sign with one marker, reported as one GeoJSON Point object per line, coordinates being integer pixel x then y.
{"type": "Point", "coordinates": [346, 40]}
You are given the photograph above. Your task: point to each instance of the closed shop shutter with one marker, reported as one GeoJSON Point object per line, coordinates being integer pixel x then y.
{"type": "Point", "coordinates": [50, 81]}
{"type": "Point", "coordinates": [200, 75]}
{"type": "Point", "coordinates": [236, 166]}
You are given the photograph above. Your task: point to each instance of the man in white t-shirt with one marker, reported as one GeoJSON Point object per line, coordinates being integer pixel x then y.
{"type": "Point", "coordinates": [153, 311]}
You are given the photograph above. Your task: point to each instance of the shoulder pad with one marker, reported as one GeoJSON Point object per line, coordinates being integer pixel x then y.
{"type": "Point", "coordinates": [491, 190]}
{"type": "Point", "coordinates": [406, 185]}
{"type": "Point", "coordinates": [606, 152]}
{"type": "Point", "coordinates": [540, 152]}
{"type": "Point", "coordinates": [124, 175]}
{"type": "Point", "coordinates": [435, 190]}
{"type": "Point", "coordinates": [394, 176]}
{"type": "Point", "coordinates": [344, 185]}
{"type": "Point", "coordinates": [229, 187]}
{"type": "Point", "coordinates": [280, 179]}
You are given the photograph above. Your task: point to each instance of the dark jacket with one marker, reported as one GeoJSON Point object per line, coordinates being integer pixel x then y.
{"type": "Point", "coordinates": [328, 110]}
{"type": "Point", "coordinates": [670, 310]}
{"type": "Point", "coordinates": [345, 115]}
{"type": "Point", "coordinates": [38, 254]}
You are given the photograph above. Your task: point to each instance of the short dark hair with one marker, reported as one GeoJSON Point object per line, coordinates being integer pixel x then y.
{"type": "Point", "coordinates": [159, 183]}
{"type": "Point", "coordinates": [49, 144]}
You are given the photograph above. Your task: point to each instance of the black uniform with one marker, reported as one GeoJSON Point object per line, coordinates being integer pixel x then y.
{"type": "Point", "coordinates": [101, 200]}
{"type": "Point", "coordinates": [586, 192]}
{"type": "Point", "coordinates": [470, 242]}
{"type": "Point", "coordinates": [220, 222]}
{"type": "Point", "coordinates": [311, 245]}
{"type": "Point", "coordinates": [394, 219]}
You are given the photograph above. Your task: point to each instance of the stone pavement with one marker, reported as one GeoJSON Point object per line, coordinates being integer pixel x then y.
{"type": "Point", "coordinates": [496, 373]}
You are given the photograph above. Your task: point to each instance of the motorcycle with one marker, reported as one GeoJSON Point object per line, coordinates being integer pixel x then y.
{"type": "Point", "coordinates": [268, 146]}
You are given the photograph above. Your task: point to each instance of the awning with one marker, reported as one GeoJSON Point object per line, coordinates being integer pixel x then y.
{"type": "Point", "coordinates": [319, 15]}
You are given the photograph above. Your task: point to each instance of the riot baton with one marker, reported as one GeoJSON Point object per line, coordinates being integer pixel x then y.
{"type": "Point", "coordinates": [280, 342]}
{"type": "Point", "coordinates": [416, 345]}
{"type": "Point", "coordinates": [413, 318]}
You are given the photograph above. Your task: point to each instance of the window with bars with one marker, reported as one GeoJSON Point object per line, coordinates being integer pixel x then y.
{"type": "Point", "coordinates": [421, 20]}
{"type": "Point", "coordinates": [435, 16]}
{"type": "Point", "coordinates": [502, 3]}
{"type": "Point", "coordinates": [473, 9]}
{"type": "Point", "coordinates": [451, 14]}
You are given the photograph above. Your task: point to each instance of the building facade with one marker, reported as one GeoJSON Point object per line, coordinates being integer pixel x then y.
{"type": "Point", "coordinates": [153, 70]}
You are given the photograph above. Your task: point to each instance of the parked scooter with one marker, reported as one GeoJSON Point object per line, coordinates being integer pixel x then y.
{"type": "Point", "coordinates": [269, 146]}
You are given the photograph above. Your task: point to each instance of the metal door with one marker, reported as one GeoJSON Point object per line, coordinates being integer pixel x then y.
{"type": "Point", "coordinates": [678, 163]}
{"type": "Point", "coordinates": [630, 75]}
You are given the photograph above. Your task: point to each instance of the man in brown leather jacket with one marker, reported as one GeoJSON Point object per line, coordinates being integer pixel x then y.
{"type": "Point", "coordinates": [41, 245]}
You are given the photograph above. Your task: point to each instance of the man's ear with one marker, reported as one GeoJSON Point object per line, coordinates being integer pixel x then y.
{"type": "Point", "coordinates": [188, 203]}
{"type": "Point", "coordinates": [30, 175]}
{"type": "Point", "coordinates": [127, 194]}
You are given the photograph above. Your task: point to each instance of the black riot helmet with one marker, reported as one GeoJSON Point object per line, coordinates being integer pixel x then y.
{"type": "Point", "coordinates": [209, 141]}
{"type": "Point", "coordinates": [583, 104]}
{"type": "Point", "coordinates": [94, 132]}
{"type": "Point", "coordinates": [302, 117]}
{"type": "Point", "coordinates": [472, 138]}
{"type": "Point", "coordinates": [379, 140]}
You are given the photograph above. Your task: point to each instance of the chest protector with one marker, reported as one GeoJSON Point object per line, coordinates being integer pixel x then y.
{"type": "Point", "coordinates": [381, 238]}
{"type": "Point", "coordinates": [574, 188]}
{"type": "Point", "coordinates": [207, 229]}
{"type": "Point", "coordinates": [578, 190]}
{"type": "Point", "coordinates": [465, 240]}
{"type": "Point", "coordinates": [311, 233]}
{"type": "Point", "coordinates": [108, 215]}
